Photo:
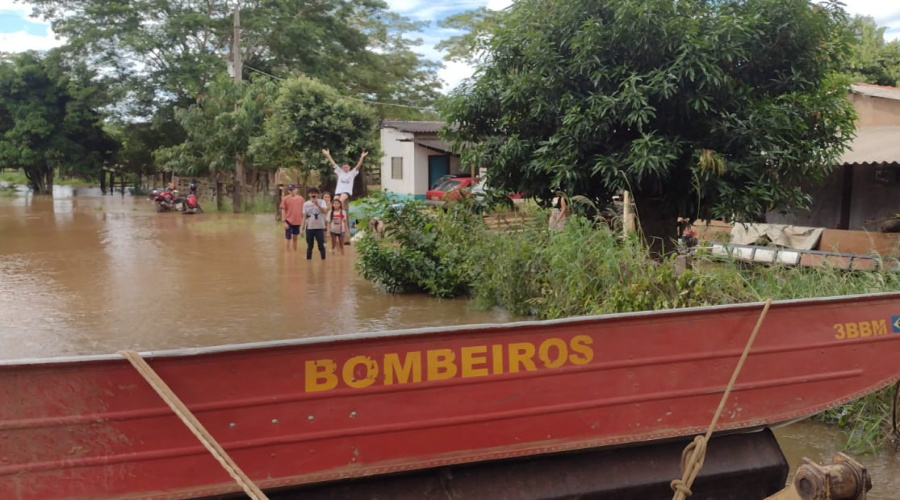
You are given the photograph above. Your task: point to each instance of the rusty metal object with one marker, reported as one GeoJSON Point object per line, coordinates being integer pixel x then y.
{"type": "Point", "coordinates": [843, 479]}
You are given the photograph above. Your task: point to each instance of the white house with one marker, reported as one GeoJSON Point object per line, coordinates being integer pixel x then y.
{"type": "Point", "coordinates": [414, 157]}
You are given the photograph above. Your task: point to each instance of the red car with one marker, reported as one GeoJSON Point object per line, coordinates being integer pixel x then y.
{"type": "Point", "coordinates": [448, 190]}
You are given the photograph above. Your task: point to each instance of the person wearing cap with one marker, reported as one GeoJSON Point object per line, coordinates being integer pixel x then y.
{"type": "Point", "coordinates": [292, 215]}
{"type": "Point", "coordinates": [314, 221]}
{"type": "Point", "coordinates": [345, 176]}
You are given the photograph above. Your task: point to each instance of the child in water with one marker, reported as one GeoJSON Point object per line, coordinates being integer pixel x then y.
{"type": "Point", "coordinates": [337, 225]}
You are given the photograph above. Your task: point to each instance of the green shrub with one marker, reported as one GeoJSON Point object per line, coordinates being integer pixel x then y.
{"type": "Point", "coordinates": [423, 249]}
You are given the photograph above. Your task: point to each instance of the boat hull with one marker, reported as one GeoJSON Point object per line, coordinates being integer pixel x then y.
{"type": "Point", "coordinates": [306, 411]}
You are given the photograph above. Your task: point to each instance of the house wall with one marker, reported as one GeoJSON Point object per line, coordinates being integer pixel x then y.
{"type": "Point", "coordinates": [825, 210]}
{"type": "Point", "coordinates": [415, 162]}
{"type": "Point", "coordinates": [395, 143]}
{"type": "Point", "coordinates": [872, 198]}
{"type": "Point", "coordinates": [422, 154]}
{"type": "Point", "coordinates": [874, 195]}
{"type": "Point", "coordinates": [875, 111]}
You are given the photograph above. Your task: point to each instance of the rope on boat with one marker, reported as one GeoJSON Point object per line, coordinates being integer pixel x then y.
{"type": "Point", "coordinates": [193, 424]}
{"type": "Point", "coordinates": [894, 426]}
{"type": "Point", "coordinates": [695, 453]}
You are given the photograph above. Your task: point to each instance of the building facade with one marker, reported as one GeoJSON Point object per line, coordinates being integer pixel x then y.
{"type": "Point", "coordinates": [415, 158]}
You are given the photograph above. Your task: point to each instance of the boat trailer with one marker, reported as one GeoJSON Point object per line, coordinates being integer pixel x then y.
{"type": "Point", "coordinates": [745, 466]}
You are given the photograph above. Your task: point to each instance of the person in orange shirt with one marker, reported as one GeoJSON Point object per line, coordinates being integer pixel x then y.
{"type": "Point", "coordinates": [292, 215]}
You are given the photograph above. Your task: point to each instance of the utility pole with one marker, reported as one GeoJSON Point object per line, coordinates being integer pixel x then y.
{"type": "Point", "coordinates": [237, 195]}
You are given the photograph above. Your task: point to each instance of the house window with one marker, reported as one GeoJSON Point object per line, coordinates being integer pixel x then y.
{"type": "Point", "coordinates": [397, 167]}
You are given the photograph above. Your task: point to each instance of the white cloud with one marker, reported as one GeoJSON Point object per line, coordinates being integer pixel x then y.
{"type": "Point", "coordinates": [453, 73]}
{"type": "Point", "coordinates": [498, 4]}
{"type": "Point", "coordinates": [19, 7]}
{"type": "Point", "coordinates": [21, 41]}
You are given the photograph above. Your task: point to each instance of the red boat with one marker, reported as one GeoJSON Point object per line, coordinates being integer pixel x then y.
{"type": "Point", "coordinates": [313, 410]}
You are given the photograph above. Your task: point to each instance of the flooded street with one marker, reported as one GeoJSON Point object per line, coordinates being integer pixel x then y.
{"type": "Point", "coordinates": [83, 273]}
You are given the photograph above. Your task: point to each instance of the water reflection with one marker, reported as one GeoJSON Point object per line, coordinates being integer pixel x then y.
{"type": "Point", "coordinates": [83, 273]}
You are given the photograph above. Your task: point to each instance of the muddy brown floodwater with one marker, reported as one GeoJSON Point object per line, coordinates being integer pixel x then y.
{"type": "Point", "coordinates": [83, 273]}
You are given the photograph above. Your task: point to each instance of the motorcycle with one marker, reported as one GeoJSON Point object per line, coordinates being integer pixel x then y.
{"type": "Point", "coordinates": [168, 201]}
{"type": "Point", "coordinates": [191, 205]}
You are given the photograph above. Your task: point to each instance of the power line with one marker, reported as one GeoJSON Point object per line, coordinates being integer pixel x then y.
{"type": "Point", "coordinates": [348, 97]}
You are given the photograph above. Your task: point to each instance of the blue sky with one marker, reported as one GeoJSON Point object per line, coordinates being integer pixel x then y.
{"type": "Point", "coordinates": [18, 32]}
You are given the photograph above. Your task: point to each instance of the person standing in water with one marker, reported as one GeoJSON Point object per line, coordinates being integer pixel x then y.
{"type": "Point", "coordinates": [345, 176]}
{"type": "Point", "coordinates": [292, 214]}
{"type": "Point", "coordinates": [314, 212]}
{"type": "Point", "coordinates": [337, 225]}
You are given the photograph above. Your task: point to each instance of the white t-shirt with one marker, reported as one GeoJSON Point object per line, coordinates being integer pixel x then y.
{"type": "Point", "coordinates": [345, 180]}
{"type": "Point", "coordinates": [315, 214]}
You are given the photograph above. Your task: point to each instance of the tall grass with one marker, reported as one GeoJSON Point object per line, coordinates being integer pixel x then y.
{"type": "Point", "coordinates": [262, 204]}
{"type": "Point", "coordinates": [868, 421]}
{"type": "Point", "coordinates": [13, 177]}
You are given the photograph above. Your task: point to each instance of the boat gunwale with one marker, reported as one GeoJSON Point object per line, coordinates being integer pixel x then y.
{"type": "Point", "coordinates": [331, 339]}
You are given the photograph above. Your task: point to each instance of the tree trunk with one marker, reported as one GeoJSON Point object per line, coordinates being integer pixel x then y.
{"type": "Point", "coordinates": [40, 179]}
{"type": "Point", "coordinates": [657, 224]}
{"type": "Point", "coordinates": [278, 195]}
{"type": "Point", "coordinates": [219, 190]}
{"type": "Point", "coordinates": [238, 188]}
{"type": "Point", "coordinates": [252, 185]}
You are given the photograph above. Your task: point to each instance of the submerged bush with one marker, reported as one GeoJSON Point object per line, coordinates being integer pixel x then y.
{"type": "Point", "coordinates": [423, 250]}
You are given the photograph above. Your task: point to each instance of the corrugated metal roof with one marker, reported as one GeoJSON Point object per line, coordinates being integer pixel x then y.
{"type": "Point", "coordinates": [876, 90]}
{"type": "Point", "coordinates": [414, 127]}
{"type": "Point", "coordinates": [874, 145]}
{"type": "Point", "coordinates": [436, 145]}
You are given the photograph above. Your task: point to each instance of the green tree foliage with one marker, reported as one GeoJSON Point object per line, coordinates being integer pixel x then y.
{"type": "Point", "coordinates": [50, 120]}
{"type": "Point", "coordinates": [700, 107]}
{"type": "Point", "coordinates": [218, 129]}
{"type": "Point", "coordinates": [168, 51]}
{"type": "Point", "coordinates": [308, 116]}
{"type": "Point", "coordinates": [871, 58]}
{"type": "Point", "coordinates": [140, 139]}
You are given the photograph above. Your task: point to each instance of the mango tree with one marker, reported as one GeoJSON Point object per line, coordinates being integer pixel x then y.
{"type": "Point", "coordinates": [709, 108]}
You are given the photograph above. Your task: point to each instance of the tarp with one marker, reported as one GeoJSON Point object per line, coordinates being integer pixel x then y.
{"type": "Point", "coordinates": [789, 236]}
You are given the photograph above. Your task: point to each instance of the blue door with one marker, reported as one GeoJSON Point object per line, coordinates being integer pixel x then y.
{"type": "Point", "coordinates": [438, 166]}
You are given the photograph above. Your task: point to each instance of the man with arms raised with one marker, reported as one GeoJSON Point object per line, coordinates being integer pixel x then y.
{"type": "Point", "coordinates": [345, 176]}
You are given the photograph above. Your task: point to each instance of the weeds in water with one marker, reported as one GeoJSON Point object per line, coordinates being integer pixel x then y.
{"type": "Point", "coordinates": [262, 204]}
{"type": "Point", "coordinates": [867, 421]}
{"type": "Point", "coordinates": [8, 190]}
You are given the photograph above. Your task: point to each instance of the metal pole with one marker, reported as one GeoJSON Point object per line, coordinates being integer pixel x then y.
{"type": "Point", "coordinates": [236, 50]}
{"type": "Point", "coordinates": [238, 77]}
{"type": "Point", "coordinates": [627, 214]}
